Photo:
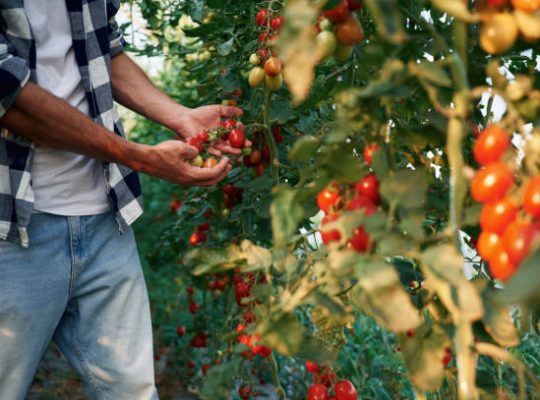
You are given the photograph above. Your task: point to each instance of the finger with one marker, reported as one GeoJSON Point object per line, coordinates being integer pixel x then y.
{"type": "Point", "coordinates": [214, 151]}
{"type": "Point", "coordinates": [189, 152]}
{"type": "Point", "coordinates": [225, 148]}
{"type": "Point", "coordinates": [218, 178]}
{"type": "Point", "coordinates": [208, 174]}
{"type": "Point", "coordinates": [230, 111]}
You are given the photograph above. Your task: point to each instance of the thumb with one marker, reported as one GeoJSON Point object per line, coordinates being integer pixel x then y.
{"type": "Point", "coordinates": [189, 152]}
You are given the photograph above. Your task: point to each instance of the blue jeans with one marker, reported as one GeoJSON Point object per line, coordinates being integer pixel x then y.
{"type": "Point", "coordinates": [80, 284]}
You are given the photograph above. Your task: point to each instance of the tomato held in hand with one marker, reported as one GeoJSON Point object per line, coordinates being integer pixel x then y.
{"type": "Point", "coordinates": [328, 199]}
{"type": "Point", "coordinates": [531, 197]}
{"type": "Point", "coordinates": [491, 145]}
{"type": "Point", "coordinates": [210, 162]}
{"type": "Point", "coordinates": [496, 216]}
{"type": "Point", "coordinates": [228, 124]}
{"type": "Point", "coordinates": [317, 392]}
{"type": "Point", "coordinates": [345, 390]}
{"type": "Point", "coordinates": [369, 150]}
{"type": "Point", "coordinates": [236, 138]}
{"type": "Point", "coordinates": [369, 186]}
{"type": "Point", "coordinates": [491, 183]}
{"type": "Point", "coordinates": [517, 240]}
{"type": "Point", "coordinates": [488, 242]}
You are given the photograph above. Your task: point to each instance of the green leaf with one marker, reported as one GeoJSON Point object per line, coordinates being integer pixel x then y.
{"type": "Point", "coordinates": [304, 148]}
{"type": "Point", "coordinates": [220, 381]}
{"type": "Point", "coordinates": [388, 18]}
{"type": "Point", "coordinates": [406, 188]}
{"type": "Point", "coordinates": [201, 31]}
{"type": "Point", "coordinates": [225, 48]}
{"type": "Point", "coordinates": [284, 334]}
{"type": "Point", "coordinates": [257, 257]}
{"type": "Point", "coordinates": [497, 320]}
{"type": "Point", "coordinates": [286, 214]}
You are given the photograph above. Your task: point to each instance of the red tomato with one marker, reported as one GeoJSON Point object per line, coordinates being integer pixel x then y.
{"type": "Point", "coordinates": [491, 182]}
{"type": "Point", "coordinates": [333, 235]}
{"type": "Point", "coordinates": [259, 169]}
{"type": "Point", "coordinates": [277, 22]}
{"type": "Point", "coordinates": [360, 240]}
{"type": "Point", "coordinates": [337, 13]}
{"type": "Point", "coordinates": [229, 190]}
{"type": "Point", "coordinates": [349, 31]}
{"type": "Point", "coordinates": [205, 368]}
{"type": "Point", "coordinates": [229, 124]}
{"type": "Point", "coordinates": [531, 197]}
{"type": "Point", "coordinates": [255, 157]}
{"type": "Point", "coordinates": [317, 392]}
{"type": "Point", "coordinates": [203, 136]}
{"type": "Point", "coordinates": [244, 392]}
{"type": "Point", "coordinates": [266, 153]}
{"type": "Point", "coordinates": [500, 266]}
{"type": "Point", "coordinates": [196, 238]}
{"type": "Point", "coordinates": [263, 53]}
{"type": "Point", "coordinates": [312, 367]}
{"type": "Point", "coordinates": [327, 378]}
{"type": "Point", "coordinates": [247, 161]}
{"type": "Point", "coordinates": [193, 308]}
{"type": "Point", "coordinates": [369, 150]}
{"type": "Point", "coordinates": [369, 186]}
{"type": "Point", "coordinates": [203, 227]}
{"type": "Point", "coordinates": [272, 66]}
{"type": "Point", "coordinates": [190, 364]}
{"type": "Point", "coordinates": [328, 198]}
{"type": "Point", "coordinates": [497, 3]}
{"type": "Point", "coordinates": [195, 142]}
{"type": "Point", "coordinates": [262, 37]}
{"type": "Point", "coordinates": [447, 357]}
{"type": "Point", "coordinates": [361, 202]}
{"type": "Point", "coordinates": [181, 331]}
{"type": "Point", "coordinates": [175, 206]}
{"type": "Point", "coordinates": [236, 138]}
{"type": "Point", "coordinates": [345, 390]}
{"type": "Point", "coordinates": [190, 291]}
{"type": "Point", "coordinates": [491, 145]}
{"type": "Point", "coordinates": [488, 242]}
{"type": "Point", "coordinates": [354, 4]}
{"type": "Point", "coordinates": [496, 216]}
{"type": "Point", "coordinates": [517, 240]}
{"type": "Point", "coordinates": [261, 17]}
{"type": "Point", "coordinates": [276, 132]}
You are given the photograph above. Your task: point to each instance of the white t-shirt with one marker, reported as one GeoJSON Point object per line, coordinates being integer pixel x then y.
{"type": "Point", "coordinates": [64, 183]}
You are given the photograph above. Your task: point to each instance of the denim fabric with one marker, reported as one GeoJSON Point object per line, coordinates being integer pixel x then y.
{"type": "Point", "coordinates": [81, 285]}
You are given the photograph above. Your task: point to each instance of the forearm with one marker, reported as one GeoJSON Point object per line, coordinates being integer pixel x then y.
{"type": "Point", "coordinates": [133, 89]}
{"type": "Point", "coordinates": [49, 121]}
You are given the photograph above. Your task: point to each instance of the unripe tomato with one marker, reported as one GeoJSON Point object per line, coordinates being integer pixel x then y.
{"type": "Point", "coordinates": [496, 216]}
{"type": "Point", "coordinates": [487, 245]}
{"type": "Point", "coordinates": [529, 6]}
{"type": "Point", "coordinates": [500, 266]}
{"type": "Point", "coordinates": [360, 240]}
{"type": "Point", "coordinates": [345, 390]}
{"type": "Point", "coordinates": [197, 162]}
{"type": "Point", "coordinates": [517, 240]}
{"type": "Point", "coordinates": [326, 45]}
{"type": "Point", "coordinates": [350, 31]}
{"type": "Point", "coordinates": [312, 367]}
{"type": "Point", "coordinates": [498, 33]}
{"type": "Point", "coordinates": [327, 235]}
{"type": "Point", "coordinates": [491, 145]}
{"type": "Point", "coordinates": [210, 162]}
{"type": "Point", "coordinates": [369, 150]}
{"type": "Point", "coordinates": [343, 52]}
{"type": "Point", "coordinates": [254, 59]}
{"type": "Point", "coordinates": [317, 392]}
{"type": "Point", "coordinates": [531, 197]}
{"type": "Point", "coordinates": [326, 25]}
{"type": "Point", "coordinates": [277, 23]}
{"type": "Point", "coordinates": [491, 182]}
{"type": "Point", "coordinates": [328, 198]}
{"type": "Point", "coordinates": [354, 5]}
{"type": "Point", "coordinates": [256, 77]}
{"type": "Point", "coordinates": [272, 66]}
{"type": "Point", "coordinates": [261, 17]}
{"type": "Point", "coordinates": [337, 13]}
{"type": "Point", "coordinates": [236, 138]}
{"type": "Point", "coordinates": [274, 83]}
{"type": "Point", "coordinates": [369, 187]}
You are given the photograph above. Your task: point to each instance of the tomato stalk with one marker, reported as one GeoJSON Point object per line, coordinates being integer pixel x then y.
{"type": "Point", "coordinates": [274, 161]}
{"type": "Point", "coordinates": [275, 377]}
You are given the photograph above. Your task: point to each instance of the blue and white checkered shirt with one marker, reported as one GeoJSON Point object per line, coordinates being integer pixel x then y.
{"type": "Point", "coordinates": [96, 38]}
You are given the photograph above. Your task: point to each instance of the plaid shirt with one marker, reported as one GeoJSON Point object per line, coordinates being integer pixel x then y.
{"type": "Point", "coordinates": [96, 38]}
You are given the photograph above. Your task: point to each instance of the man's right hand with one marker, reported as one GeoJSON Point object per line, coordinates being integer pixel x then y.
{"type": "Point", "coordinates": [170, 160]}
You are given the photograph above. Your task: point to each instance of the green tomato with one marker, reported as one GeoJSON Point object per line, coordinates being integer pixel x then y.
{"type": "Point", "coordinates": [274, 83]}
{"type": "Point", "coordinates": [254, 59]}
{"type": "Point", "coordinates": [256, 76]}
{"type": "Point", "coordinates": [197, 162]}
{"type": "Point", "coordinates": [326, 45]}
{"type": "Point", "coordinates": [343, 52]}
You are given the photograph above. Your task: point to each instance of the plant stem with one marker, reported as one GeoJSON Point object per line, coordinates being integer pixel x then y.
{"type": "Point", "coordinates": [275, 378]}
{"type": "Point", "coordinates": [269, 138]}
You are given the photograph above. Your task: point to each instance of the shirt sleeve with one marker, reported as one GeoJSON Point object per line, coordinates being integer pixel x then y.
{"type": "Point", "coordinates": [14, 74]}
{"type": "Point", "coordinates": [116, 39]}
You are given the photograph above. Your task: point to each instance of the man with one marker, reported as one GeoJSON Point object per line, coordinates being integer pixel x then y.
{"type": "Point", "coordinates": [69, 269]}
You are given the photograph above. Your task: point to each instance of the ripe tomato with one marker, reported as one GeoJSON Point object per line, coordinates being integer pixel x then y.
{"type": "Point", "coordinates": [317, 392]}
{"type": "Point", "coordinates": [203, 136]}
{"type": "Point", "coordinates": [244, 392]}
{"type": "Point", "coordinates": [205, 368]}
{"type": "Point", "coordinates": [266, 153]}
{"type": "Point", "coordinates": [529, 6]}
{"type": "Point", "coordinates": [349, 31]}
{"type": "Point", "coordinates": [174, 206]}
{"type": "Point", "coordinates": [190, 364]}
{"type": "Point", "coordinates": [491, 145]}
{"type": "Point", "coordinates": [354, 4]}
{"type": "Point", "coordinates": [203, 227]}
{"type": "Point", "coordinates": [197, 238]}
{"type": "Point", "coordinates": [360, 240]}
{"type": "Point", "coordinates": [274, 83]}
{"type": "Point", "coordinates": [328, 198]}
{"type": "Point", "coordinates": [210, 162]}
{"type": "Point", "coordinates": [255, 157]}
{"type": "Point", "coordinates": [262, 37]}
{"type": "Point", "coordinates": [496, 216]}
{"type": "Point", "coordinates": [263, 53]}
{"type": "Point", "coordinates": [180, 331]}
{"type": "Point", "coordinates": [261, 17]}
{"type": "Point", "coordinates": [256, 77]}
{"type": "Point", "coordinates": [195, 142]}
{"type": "Point", "coordinates": [228, 124]}
{"type": "Point", "coordinates": [277, 23]}
{"type": "Point", "coordinates": [498, 33]}
{"type": "Point", "coordinates": [193, 308]}
{"type": "Point", "coordinates": [276, 132]}
{"type": "Point", "coordinates": [531, 197]}
{"type": "Point", "coordinates": [345, 390]}
{"type": "Point", "coordinates": [447, 357]}
{"type": "Point", "coordinates": [259, 169]}
{"type": "Point", "coordinates": [272, 66]}
{"type": "Point", "coordinates": [327, 235]}
{"type": "Point", "coordinates": [326, 45]}
{"type": "Point", "coordinates": [364, 203]}
{"type": "Point", "coordinates": [247, 161]}
{"type": "Point", "coordinates": [488, 242]}
{"type": "Point", "coordinates": [491, 182]}
{"type": "Point", "coordinates": [369, 150]}
{"type": "Point", "coordinates": [369, 187]}
{"type": "Point", "coordinates": [236, 138]}
{"type": "Point", "coordinates": [497, 3]}
{"type": "Point", "coordinates": [500, 266]}
{"type": "Point", "coordinates": [337, 13]}
{"type": "Point", "coordinates": [312, 367]}
{"type": "Point", "coordinates": [229, 190]}
{"type": "Point", "coordinates": [517, 240]}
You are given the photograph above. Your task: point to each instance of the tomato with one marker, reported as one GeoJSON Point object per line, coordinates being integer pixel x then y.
{"type": "Point", "coordinates": [326, 45]}
{"type": "Point", "coordinates": [369, 187]}
{"type": "Point", "coordinates": [362, 202]}
{"type": "Point", "coordinates": [193, 308]}
{"type": "Point", "coordinates": [498, 33]}
{"type": "Point", "coordinates": [255, 157]}
{"type": "Point", "coordinates": [345, 390]}
{"type": "Point", "coordinates": [343, 52]}
{"type": "Point", "coordinates": [327, 378]}
{"type": "Point", "coordinates": [262, 37]}
{"type": "Point", "coordinates": [180, 331]}
{"type": "Point", "coordinates": [190, 291]}
{"type": "Point", "coordinates": [272, 66]}
{"type": "Point", "coordinates": [517, 240]}
{"type": "Point", "coordinates": [312, 367]}
{"type": "Point", "coordinates": [337, 13]}
{"type": "Point", "coordinates": [491, 183]}
{"type": "Point", "coordinates": [229, 124]}
{"type": "Point", "coordinates": [197, 238]}
{"type": "Point", "coordinates": [236, 138]}
{"type": "Point", "coordinates": [447, 357]}
{"type": "Point", "coordinates": [491, 145]}
{"type": "Point", "coordinates": [263, 53]}
{"type": "Point", "coordinates": [205, 368]}
{"type": "Point", "coordinates": [274, 83]}
{"type": "Point", "coordinates": [496, 216]}
{"type": "Point", "coordinates": [195, 142]}
{"type": "Point", "coordinates": [229, 190]}
{"type": "Point", "coordinates": [497, 3]}
{"type": "Point", "coordinates": [277, 23]}
{"type": "Point", "coordinates": [276, 132]}
{"type": "Point", "coordinates": [266, 153]}
{"type": "Point", "coordinates": [488, 242]}
{"type": "Point", "coordinates": [500, 266]}
{"type": "Point", "coordinates": [210, 162]}
{"type": "Point", "coordinates": [244, 392]}
{"type": "Point", "coordinates": [354, 5]}
{"type": "Point", "coordinates": [317, 392]}
{"type": "Point", "coordinates": [174, 206]}
{"type": "Point", "coordinates": [360, 240]}
{"type": "Point", "coordinates": [261, 17]}
{"type": "Point", "coordinates": [254, 59]}
{"type": "Point", "coordinates": [247, 161]}
{"type": "Point", "coordinates": [349, 31]}
{"type": "Point", "coordinates": [259, 169]}
{"type": "Point", "coordinates": [369, 150]}
{"type": "Point", "coordinates": [328, 199]}
{"type": "Point", "coordinates": [203, 227]}
{"type": "Point", "coordinates": [529, 6]}
{"type": "Point", "coordinates": [333, 235]}
{"type": "Point", "coordinates": [203, 136]}
{"type": "Point", "coordinates": [531, 197]}
{"type": "Point", "coordinates": [256, 77]}
{"type": "Point", "coordinates": [190, 364]}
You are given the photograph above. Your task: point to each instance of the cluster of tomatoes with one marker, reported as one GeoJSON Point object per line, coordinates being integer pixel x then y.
{"type": "Point", "coordinates": [504, 20]}
{"type": "Point", "coordinates": [338, 30]}
{"type": "Point", "coordinates": [199, 234]}
{"type": "Point", "coordinates": [232, 196]}
{"type": "Point", "coordinates": [325, 381]}
{"type": "Point", "coordinates": [508, 233]}
{"type": "Point", "coordinates": [270, 72]}
{"type": "Point", "coordinates": [336, 199]}
{"type": "Point", "coordinates": [219, 283]}
{"type": "Point", "coordinates": [260, 154]}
